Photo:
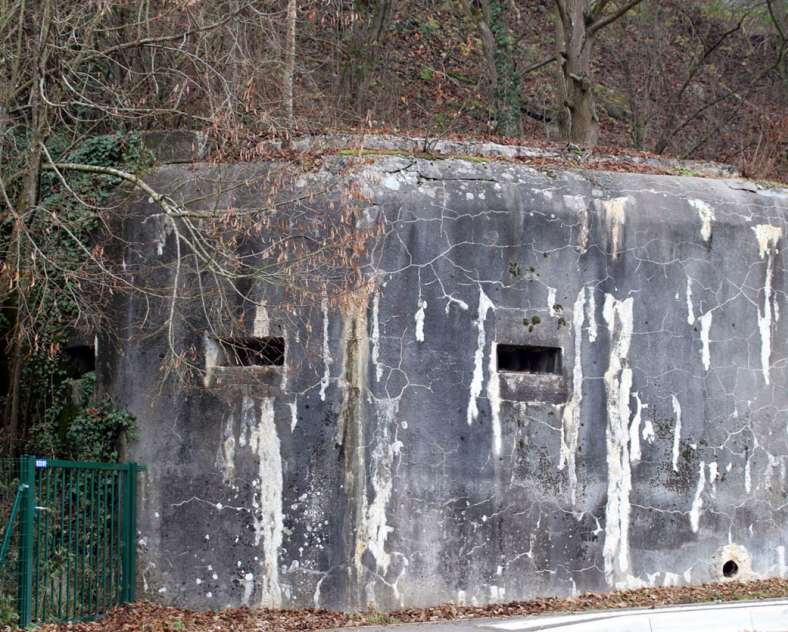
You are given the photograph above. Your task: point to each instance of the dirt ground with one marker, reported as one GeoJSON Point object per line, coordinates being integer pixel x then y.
{"type": "Point", "coordinates": [150, 617]}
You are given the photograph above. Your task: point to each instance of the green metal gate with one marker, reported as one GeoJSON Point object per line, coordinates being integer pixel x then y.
{"type": "Point", "coordinates": [68, 548]}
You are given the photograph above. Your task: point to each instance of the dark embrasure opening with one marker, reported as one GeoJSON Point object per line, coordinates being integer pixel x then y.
{"type": "Point", "coordinates": [529, 359]}
{"type": "Point", "coordinates": [266, 351]}
{"type": "Point", "coordinates": [80, 359]}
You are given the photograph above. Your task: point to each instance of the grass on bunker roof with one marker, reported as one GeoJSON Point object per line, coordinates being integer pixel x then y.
{"type": "Point", "coordinates": [149, 617]}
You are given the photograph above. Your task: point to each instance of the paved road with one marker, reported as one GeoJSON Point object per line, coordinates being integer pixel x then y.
{"type": "Point", "coordinates": [749, 616]}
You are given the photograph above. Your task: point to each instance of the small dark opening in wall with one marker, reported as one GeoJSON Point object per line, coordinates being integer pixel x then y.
{"type": "Point", "coordinates": [730, 569]}
{"type": "Point", "coordinates": [528, 359]}
{"type": "Point", "coordinates": [80, 359]}
{"type": "Point", "coordinates": [268, 351]}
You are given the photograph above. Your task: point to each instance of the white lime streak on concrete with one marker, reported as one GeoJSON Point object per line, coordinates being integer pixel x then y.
{"type": "Point", "coordinates": [705, 329]}
{"type": "Point", "coordinates": [327, 360]}
{"type": "Point", "coordinates": [571, 413]}
{"type": "Point", "coordinates": [748, 474]}
{"type": "Point", "coordinates": [419, 318]}
{"type": "Point", "coordinates": [293, 414]}
{"type": "Point", "coordinates": [634, 431]}
{"type": "Point", "coordinates": [578, 204]}
{"type": "Point", "coordinates": [164, 228]}
{"type": "Point", "coordinates": [318, 587]}
{"type": "Point", "coordinates": [706, 214]}
{"type": "Point", "coordinates": [375, 337]}
{"type": "Point", "coordinates": [676, 432]}
{"type": "Point", "coordinates": [765, 323]}
{"type": "Point", "coordinates": [618, 385]}
{"type": "Point", "coordinates": [225, 457]}
{"type": "Point", "coordinates": [248, 584]}
{"type": "Point", "coordinates": [267, 516]}
{"type": "Point", "coordinates": [671, 579]}
{"type": "Point", "coordinates": [713, 473]}
{"type": "Point", "coordinates": [768, 237]}
{"type": "Point", "coordinates": [248, 421]}
{"type": "Point", "coordinates": [450, 300]}
{"type": "Point", "coordinates": [211, 359]}
{"type": "Point", "coordinates": [385, 450]}
{"type": "Point", "coordinates": [592, 328]}
{"type": "Point", "coordinates": [697, 501]}
{"type": "Point", "coordinates": [551, 293]}
{"type": "Point", "coordinates": [615, 216]}
{"type": "Point", "coordinates": [648, 429]}
{"type": "Point", "coordinates": [690, 308]}
{"type": "Point", "coordinates": [478, 362]}
{"type": "Point", "coordinates": [262, 323]}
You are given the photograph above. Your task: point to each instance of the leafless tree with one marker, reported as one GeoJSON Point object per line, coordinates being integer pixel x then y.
{"type": "Point", "coordinates": [72, 71]}
{"type": "Point", "coordinates": [577, 24]}
{"type": "Point", "coordinates": [710, 100]}
{"type": "Point", "coordinates": [290, 57]}
{"type": "Point", "coordinates": [362, 48]}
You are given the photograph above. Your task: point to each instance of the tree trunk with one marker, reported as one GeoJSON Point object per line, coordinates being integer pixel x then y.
{"type": "Point", "coordinates": [577, 118]}
{"type": "Point", "coordinates": [778, 10]}
{"type": "Point", "coordinates": [27, 200]}
{"type": "Point", "coordinates": [12, 397]}
{"type": "Point", "coordinates": [362, 54]}
{"type": "Point", "coordinates": [638, 124]}
{"type": "Point", "coordinates": [290, 64]}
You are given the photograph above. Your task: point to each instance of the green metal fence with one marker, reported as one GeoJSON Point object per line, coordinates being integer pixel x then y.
{"type": "Point", "coordinates": [68, 550]}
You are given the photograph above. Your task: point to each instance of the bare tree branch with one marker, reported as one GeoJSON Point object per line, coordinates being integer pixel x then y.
{"type": "Point", "coordinates": [602, 22]}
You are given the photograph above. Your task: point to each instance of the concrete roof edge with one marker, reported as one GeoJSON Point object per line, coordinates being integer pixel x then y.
{"type": "Point", "coordinates": [184, 146]}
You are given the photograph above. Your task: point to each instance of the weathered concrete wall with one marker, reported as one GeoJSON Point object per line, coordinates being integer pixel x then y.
{"type": "Point", "coordinates": [390, 463]}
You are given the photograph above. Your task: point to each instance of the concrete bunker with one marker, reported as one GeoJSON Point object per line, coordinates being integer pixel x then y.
{"type": "Point", "coordinates": [417, 443]}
